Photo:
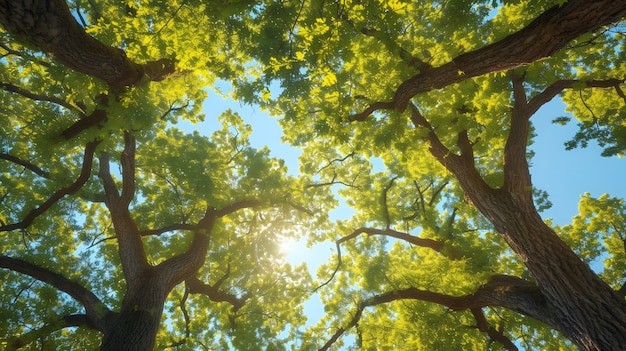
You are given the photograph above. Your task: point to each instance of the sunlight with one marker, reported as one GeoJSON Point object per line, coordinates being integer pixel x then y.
{"type": "Point", "coordinates": [287, 245]}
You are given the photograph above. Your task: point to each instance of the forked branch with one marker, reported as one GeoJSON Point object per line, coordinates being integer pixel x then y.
{"type": "Point", "coordinates": [504, 291]}
{"type": "Point", "coordinates": [547, 34]}
{"type": "Point", "coordinates": [84, 175]}
{"type": "Point", "coordinates": [417, 241]}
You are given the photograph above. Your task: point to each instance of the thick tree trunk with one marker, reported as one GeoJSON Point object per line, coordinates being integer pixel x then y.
{"type": "Point", "coordinates": [580, 305]}
{"type": "Point", "coordinates": [136, 326]}
{"type": "Point", "coordinates": [585, 309]}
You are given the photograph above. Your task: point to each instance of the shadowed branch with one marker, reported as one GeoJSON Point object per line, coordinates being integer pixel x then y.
{"type": "Point", "coordinates": [500, 290]}
{"type": "Point", "coordinates": [94, 308]}
{"type": "Point", "coordinates": [85, 173]}
{"type": "Point", "coordinates": [548, 33]}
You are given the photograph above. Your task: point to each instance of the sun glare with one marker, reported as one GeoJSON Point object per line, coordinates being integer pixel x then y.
{"type": "Point", "coordinates": [287, 245]}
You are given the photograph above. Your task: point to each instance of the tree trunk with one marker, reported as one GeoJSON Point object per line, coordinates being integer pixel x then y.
{"type": "Point", "coordinates": [585, 309]}
{"type": "Point", "coordinates": [136, 326]}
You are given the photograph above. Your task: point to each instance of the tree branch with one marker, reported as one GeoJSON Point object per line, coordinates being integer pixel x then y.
{"type": "Point", "coordinates": [505, 291]}
{"type": "Point", "coordinates": [395, 48]}
{"type": "Point", "coordinates": [25, 93]}
{"type": "Point", "coordinates": [516, 173]}
{"type": "Point", "coordinates": [251, 203]}
{"type": "Point", "coordinates": [26, 164]}
{"type": "Point", "coordinates": [85, 173]}
{"type": "Point", "coordinates": [131, 250]}
{"type": "Point", "coordinates": [417, 241]}
{"type": "Point", "coordinates": [94, 308]}
{"type": "Point", "coordinates": [51, 27]}
{"type": "Point", "coordinates": [541, 38]}
{"type": "Point", "coordinates": [196, 286]}
{"type": "Point", "coordinates": [557, 87]}
{"type": "Point", "coordinates": [428, 243]}
{"type": "Point", "coordinates": [73, 320]}
{"type": "Point", "coordinates": [494, 334]}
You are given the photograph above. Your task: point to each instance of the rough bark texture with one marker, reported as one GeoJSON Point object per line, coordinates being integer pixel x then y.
{"type": "Point", "coordinates": [50, 27]}
{"type": "Point", "coordinates": [136, 326]}
{"type": "Point", "coordinates": [585, 309]}
{"type": "Point", "coordinates": [544, 36]}
{"type": "Point", "coordinates": [580, 305]}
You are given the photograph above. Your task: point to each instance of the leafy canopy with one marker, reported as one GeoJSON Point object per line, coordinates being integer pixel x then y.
{"type": "Point", "coordinates": [313, 64]}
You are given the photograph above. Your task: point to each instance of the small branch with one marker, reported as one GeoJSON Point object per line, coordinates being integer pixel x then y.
{"type": "Point", "coordinates": [331, 183]}
{"type": "Point", "coordinates": [128, 170]}
{"type": "Point", "coordinates": [557, 87]}
{"type": "Point", "coordinates": [395, 48]}
{"type": "Point", "coordinates": [94, 308]}
{"type": "Point", "coordinates": [384, 202]}
{"type": "Point", "coordinates": [24, 55]}
{"type": "Point", "coordinates": [169, 228]}
{"type": "Point", "coordinates": [183, 309]}
{"type": "Point", "coordinates": [25, 93]}
{"type": "Point", "coordinates": [73, 320]}
{"type": "Point", "coordinates": [428, 243]}
{"type": "Point", "coordinates": [438, 191]}
{"type": "Point", "coordinates": [85, 173]}
{"type": "Point", "coordinates": [417, 241]}
{"type": "Point", "coordinates": [52, 28]}
{"type": "Point", "coordinates": [26, 164]}
{"type": "Point", "coordinates": [195, 286]}
{"type": "Point", "coordinates": [494, 334]}
{"type": "Point", "coordinates": [335, 160]}
{"type": "Point", "coordinates": [505, 291]}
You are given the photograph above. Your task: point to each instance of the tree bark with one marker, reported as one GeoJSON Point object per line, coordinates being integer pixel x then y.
{"type": "Point", "coordinates": [136, 326]}
{"type": "Point", "coordinates": [50, 27]}
{"type": "Point", "coordinates": [583, 307]}
{"type": "Point", "coordinates": [541, 38]}
{"type": "Point", "coordinates": [586, 310]}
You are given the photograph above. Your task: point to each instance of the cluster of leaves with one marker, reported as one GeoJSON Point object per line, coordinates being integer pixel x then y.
{"type": "Point", "coordinates": [315, 64]}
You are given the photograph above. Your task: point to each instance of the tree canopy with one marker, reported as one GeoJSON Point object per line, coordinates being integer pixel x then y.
{"type": "Point", "coordinates": [121, 231]}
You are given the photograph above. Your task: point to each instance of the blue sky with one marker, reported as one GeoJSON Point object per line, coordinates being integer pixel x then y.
{"type": "Point", "coordinates": [565, 175]}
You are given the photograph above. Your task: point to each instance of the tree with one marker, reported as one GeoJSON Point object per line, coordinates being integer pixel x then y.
{"type": "Point", "coordinates": [116, 222]}
{"type": "Point", "coordinates": [419, 114]}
